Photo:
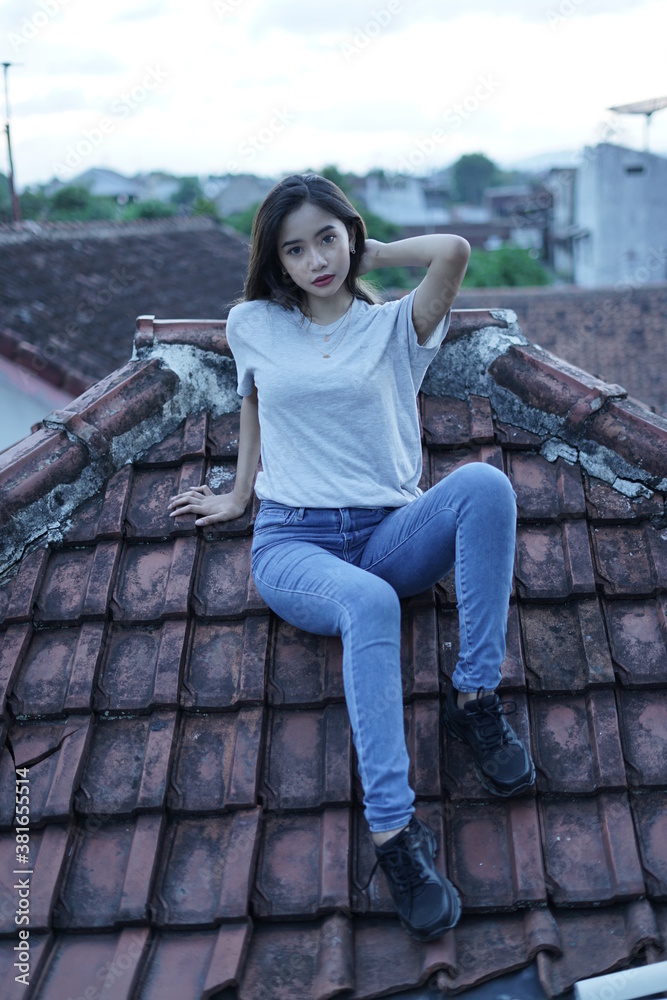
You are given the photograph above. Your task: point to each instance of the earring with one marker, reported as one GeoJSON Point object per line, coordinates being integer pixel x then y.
{"type": "Point", "coordinates": [352, 250]}
{"type": "Point", "coordinates": [284, 271]}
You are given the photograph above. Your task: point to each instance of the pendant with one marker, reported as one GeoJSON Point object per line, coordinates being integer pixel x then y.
{"type": "Point", "coordinates": [326, 338]}
{"type": "Point", "coordinates": [326, 355]}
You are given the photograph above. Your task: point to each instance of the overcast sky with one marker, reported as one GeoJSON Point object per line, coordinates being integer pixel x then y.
{"type": "Point", "coordinates": [269, 86]}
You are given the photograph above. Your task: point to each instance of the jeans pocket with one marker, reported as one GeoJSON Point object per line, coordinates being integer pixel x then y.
{"type": "Point", "coordinates": [274, 515]}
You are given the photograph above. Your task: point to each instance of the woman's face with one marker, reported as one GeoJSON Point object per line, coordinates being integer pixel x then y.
{"type": "Point", "coordinates": [314, 249]}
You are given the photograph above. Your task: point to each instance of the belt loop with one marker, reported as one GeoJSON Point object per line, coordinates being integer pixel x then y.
{"type": "Point", "coordinates": [302, 511]}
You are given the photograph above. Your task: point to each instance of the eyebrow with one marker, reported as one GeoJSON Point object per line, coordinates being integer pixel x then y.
{"type": "Point", "coordinates": [319, 232]}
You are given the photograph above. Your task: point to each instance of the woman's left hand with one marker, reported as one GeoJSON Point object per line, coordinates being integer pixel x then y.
{"type": "Point", "coordinates": [371, 257]}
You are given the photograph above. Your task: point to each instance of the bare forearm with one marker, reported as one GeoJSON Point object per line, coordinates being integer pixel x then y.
{"type": "Point", "coordinates": [420, 251]}
{"type": "Point", "coordinates": [249, 449]}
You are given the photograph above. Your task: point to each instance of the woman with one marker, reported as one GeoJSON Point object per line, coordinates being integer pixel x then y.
{"type": "Point", "coordinates": [343, 529]}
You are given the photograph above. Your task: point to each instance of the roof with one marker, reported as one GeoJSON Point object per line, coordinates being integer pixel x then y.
{"type": "Point", "coordinates": [195, 812]}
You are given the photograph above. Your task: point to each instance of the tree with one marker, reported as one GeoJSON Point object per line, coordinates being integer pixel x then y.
{"type": "Point", "coordinates": [472, 174]}
{"type": "Point", "coordinates": [152, 208]}
{"type": "Point", "coordinates": [507, 266]}
{"type": "Point", "coordinates": [187, 192]}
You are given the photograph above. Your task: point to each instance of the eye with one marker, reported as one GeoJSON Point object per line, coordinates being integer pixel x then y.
{"type": "Point", "coordinates": [293, 251]}
{"type": "Point", "coordinates": [329, 238]}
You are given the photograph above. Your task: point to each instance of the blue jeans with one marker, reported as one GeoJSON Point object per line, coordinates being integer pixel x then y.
{"type": "Point", "coordinates": [342, 571]}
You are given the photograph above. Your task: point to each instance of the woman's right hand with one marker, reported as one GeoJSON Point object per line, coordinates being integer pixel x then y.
{"type": "Point", "coordinates": [207, 505]}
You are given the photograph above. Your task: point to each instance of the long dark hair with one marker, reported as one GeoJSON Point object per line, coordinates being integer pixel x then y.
{"type": "Point", "coordinates": [265, 279]}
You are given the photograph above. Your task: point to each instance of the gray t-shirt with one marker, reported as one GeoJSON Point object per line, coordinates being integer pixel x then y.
{"type": "Point", "coordinates": [341, 430]}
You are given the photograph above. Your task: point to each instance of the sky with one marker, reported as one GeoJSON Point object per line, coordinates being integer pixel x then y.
{"type": "Point", "coordinates": [275, 86]}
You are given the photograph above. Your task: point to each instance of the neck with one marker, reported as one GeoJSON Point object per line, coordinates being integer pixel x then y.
{"type": "Point", "coordinates": [328, 311]}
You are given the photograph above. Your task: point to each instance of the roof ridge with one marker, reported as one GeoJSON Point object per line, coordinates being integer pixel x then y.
{"type": "Point", "coordinates": [100, 228]}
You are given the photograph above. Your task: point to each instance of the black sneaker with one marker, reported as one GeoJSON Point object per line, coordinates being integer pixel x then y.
{"type": "Point", "coordinates": [501, 759]}
{"type": "Point", "coordinates": [427, 903]}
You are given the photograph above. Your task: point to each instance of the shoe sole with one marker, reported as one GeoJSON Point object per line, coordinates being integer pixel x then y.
{"type": "Point", "coordinates": [484, 778]}
{"type": "Point", "coordinates": [433, 846]}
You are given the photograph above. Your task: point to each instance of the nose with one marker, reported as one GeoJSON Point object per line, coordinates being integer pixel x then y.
{"type": "Point", "coordinates": [317, 260]}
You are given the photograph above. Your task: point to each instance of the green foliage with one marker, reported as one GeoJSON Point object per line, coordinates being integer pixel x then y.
{"type": "Point", "coordinates": [472, 174]}
{"type": "Point", "coordinates": [75, 204]}
{"type": "Point", "coordinates": [242, 221]}
{"type": "Point", "coordinates": [34, 204]}
{"type": "Point", "coordinates": [152, 208]}
{"type": "Point", "coordinates": [204, 206]}
{"type": "Point", "coordinates": [507, 266]}
{"type": "Point", "coordinates": [188, 192]}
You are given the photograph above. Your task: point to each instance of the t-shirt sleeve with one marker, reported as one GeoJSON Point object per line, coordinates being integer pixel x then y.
{"type": "Point", "coordinates": [238, 343]}
{"type": "Point", "coordinates": [420, 355]}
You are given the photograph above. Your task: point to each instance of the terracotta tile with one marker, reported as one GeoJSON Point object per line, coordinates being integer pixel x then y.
{"type": "Point", "coordinates": [14, 643]}
{"type": "Point", "coordinates": [565, 646]}
{"type": "Point", "coordinates": [19, 594]}
{"type": "Point", "coordinates": [303, 668]}
{"type": "Point", "coordinates": [109, 874]}
{"type": "Point", "coordinates": [632, 561]}
{"type": "Point", "coordinates": [139, 748]}
{"type": "Point", "coordinates": [36, 954]}
{"type": "Point", "coordinates": [104, 963]}
{"type": "Point", "coordinates": [553, 562]}
{"type": "Point", "coordinates": [638, 639]}
{"type": "Point", "coordinates": [78, 584]}
{"type": "Point", "coordinates": [512, 668]}
{"type": "Point", "coordinates": [451, 422]}
{"type": "Point", "coordinates": [516, 437]}
{"type": "Point", "coordinates": [223, 435]}
{"type": "Point", "coordinates": [103, 515]}
{"type": "Point", "coordinates": [147, 514]}
{"type": "Point", "coordinates": [308, 758]}
{"type": "Point", "coordinates": [508, 942]}
{"type": "Point", "coordinates": [223, 585]}
{"type": "Point", "coordinates": [127, 397]}
{"type": "Point", "coordinates": [194, 963]}
{"type": "Point", "coordinates": [313, 959]}
{"type": "Point", "coordinates": [632, 432]}
{"type": "Point", "coordinates": [650, 811]}
{"type": "Point", "coordinates": [422, 738]}
{"type": "Point", "coordinates": [577, 743]}
{"type": "Point", "coordinates": [643, 723]}
{"type": "Point", "coordinates": [221, 477]}
{"type": "Point", "coordinates": [225, 664]}
{"type": "Point", "coordinates": [187, 441]}
{"type": "Point", "coordinates": [545, 490]}
{"type": "Point", "coordinates": [443, 462]}
{"type": "Point", "coordinates": [37, 465]}
{"type": "Point", "coordinates": [419, 650]}
{"type": "Point", "coordinates": [154, 580]}
{"type": "Point", "coordinates": [42, 877]}
{"type": "Point", "coordinates": [460, 777]}
{"type": "Point", "coordinates": [141, 667]}
{"type": "Point", "coordinates": [58, 671]}
{"type": "Point", "coordinates": [467, 321]}
{"type": "Point", "coordinates": [604, 503]}
{"type": "Point", "coordinates": [496, 854]}
{"type": "Point", "coordinates": [412, 963]}
{"type": "Point", "coordinates": [589, 850]}
{"type": "Point", "coordinates": [206, 870]}
{"type": "Point", "coordinates": [217, 761]}
{"type": "Point", "coordinates": [302, 868]}
{"type": "Point", "coordinates": [62, 746]}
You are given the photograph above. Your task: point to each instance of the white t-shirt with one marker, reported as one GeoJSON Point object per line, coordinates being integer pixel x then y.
{"type": "Point", "coordinates": [342, 430]}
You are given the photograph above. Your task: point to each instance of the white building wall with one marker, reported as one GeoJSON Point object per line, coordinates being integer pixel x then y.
{"type": "Point", "coordinates": [621, 214]}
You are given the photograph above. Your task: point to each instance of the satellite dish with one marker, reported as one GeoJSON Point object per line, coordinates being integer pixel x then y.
{"type": "Point", "coordinates": [647, 108]}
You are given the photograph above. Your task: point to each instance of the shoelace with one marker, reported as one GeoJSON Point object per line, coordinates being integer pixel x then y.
{"type": "Point", "coordinates": [398, 860]}
{"type": "Point", "coordinates": [491, 732]}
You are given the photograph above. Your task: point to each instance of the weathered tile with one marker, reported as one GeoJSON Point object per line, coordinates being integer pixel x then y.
{"type": "Point", "coordinates": [217, 761]}
{"type": "Point", "coordinates": [54, 753]}
{"type": "Point", "coordinates": [512, 667]}
{"type": "Point", "coordinates": [553, 562]}
{"type": "Point", "coordinates": [308, 758]}
{"type": "Point", "coordinates": [449, 422]}
{"type": "Point", "coordinates": [206, 870]}
{"type": "Point", "coordinates": [154, 580]}
{"type": "Point", "coordinates": [565, 646]}
{"type": "Point", "coordinates": [152, 488]}
{"type": "Point", "coordinates": [516, 437]}
{"type": "Point", "coordinates": [546, 491]}
{"type": "Point", "coordinates": [77, 584]}
{"type": "Point", "coordinates": [225, 663]}
{"type": "Point", "coordinates": [496, 858]}
{"type": "Point", "coordinates": [14, 643]}
{"type": "Point", "coordinates": [187, 441]}
{"type": "Point", "coordinates": [590, 851]}
{"type": "Point", "coordinates": [18, 595]}
{"type": "Point", "coordinates": [419, 650]}
{"type": "Point", "coordinates": [629, 430]}
{"type": "Point", "coordinates": [223, 435]}
{"type": "Point", "coordinates": [104, 963]}
{"type": "Point", "coordinates": [576, 743]}
{"type": "Point", "coordinates": [109, 874]}
{"type": "Point", "coordinates": [41, 877]}
{"type": "Point", "coordinates": [223, 586]}
{"type": "Point", "coordinates": [303, 668]}
{"type": "Point", "coordinates": [422, 738]}
{"type": "Point", "coordinates": [631, 559]}
{"type": "Point", "coordinates": [302, 868]}
{"type": "Point", "coordinates": [604, 503]}
{"type": "Point", "coordinates": [15, 978]}
{"type": "Point", "coordinates": [643, 721]}
{"type": "Point", "coordinates": [141, 667]}
{"type": "Point", "coordinates": [139, 748]}
{"type": "Point", "coordinates": [638, 638]}
{"type": "Point", "coordinates": [650, 812]}
{"type": "Point", "coordinates": [194, 963]}
{"type": "Point", "coordinates": [103, 515]}
{"type": "Point", "coordinates": [58, 671]}
{"type": "Point", "coordinates": [443, 462]}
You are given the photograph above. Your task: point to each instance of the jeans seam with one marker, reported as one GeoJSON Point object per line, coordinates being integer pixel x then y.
{"type": "Point", "coordinates": [408, 537]}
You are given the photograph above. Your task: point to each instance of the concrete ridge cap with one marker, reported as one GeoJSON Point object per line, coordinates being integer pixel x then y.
{"type": "Point", "coordinates": [101, 228]}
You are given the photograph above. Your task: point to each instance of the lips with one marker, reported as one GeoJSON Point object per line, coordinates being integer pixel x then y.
{"type": "Point", "coordinates": [324, 279]}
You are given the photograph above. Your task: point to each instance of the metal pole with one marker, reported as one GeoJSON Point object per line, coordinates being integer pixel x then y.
{"type": "Point", "coordinates": [16, 206]}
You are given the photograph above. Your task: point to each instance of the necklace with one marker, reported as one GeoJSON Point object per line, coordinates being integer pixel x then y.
{"type": "Point", "coordinates": [327, 336]}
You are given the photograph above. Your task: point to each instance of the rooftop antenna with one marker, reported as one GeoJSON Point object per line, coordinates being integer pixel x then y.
{"type": "Point", "coordinates": [647, 108]}
{"type": "Point", "coordinates": [13, 197]}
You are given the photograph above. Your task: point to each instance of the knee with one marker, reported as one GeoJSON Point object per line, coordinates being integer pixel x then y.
{"type": "Point", "coordinates": [375, 603]}
{"type": "Point", "coordinates": [488, 488]}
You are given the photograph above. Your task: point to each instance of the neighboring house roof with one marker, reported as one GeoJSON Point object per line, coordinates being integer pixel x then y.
{"type": "Point", "coordinates": [195, 812]}
{"type": "Point", "coordinates": [617, 333]}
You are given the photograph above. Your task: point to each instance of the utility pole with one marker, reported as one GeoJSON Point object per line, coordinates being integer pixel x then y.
{"type": "Point", "coordinates": [16, 207]}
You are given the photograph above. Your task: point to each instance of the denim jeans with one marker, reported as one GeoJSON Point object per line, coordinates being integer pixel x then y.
{"type": "Point", "coordinates": [342, 571]}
